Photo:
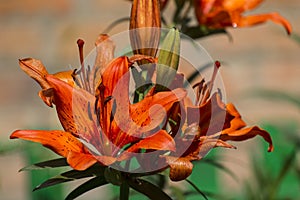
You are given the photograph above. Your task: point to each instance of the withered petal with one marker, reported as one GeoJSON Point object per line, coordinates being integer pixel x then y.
{"type": "Point", "coordinates": [36, 70]}
{"type": "Point", "coordinates": [180, 168]}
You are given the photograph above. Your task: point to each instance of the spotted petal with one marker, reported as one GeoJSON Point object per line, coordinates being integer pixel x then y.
{"type": "Point", "coordinates": [62, 143]}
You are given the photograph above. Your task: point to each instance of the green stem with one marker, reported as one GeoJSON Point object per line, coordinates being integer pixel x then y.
{"type": "Point", "coordinates": [124, 191]}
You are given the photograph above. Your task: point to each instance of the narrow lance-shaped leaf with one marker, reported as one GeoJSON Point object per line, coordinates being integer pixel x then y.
{"type": "Point", "coordinates": [148, 189]}
{"type": "Point", "coordinates": [168, 59]}
{"type": "Point", "coordinates": [72, 175]}
{"type": "Point", "coordinates": [197, 189]}
{"type": "Point", "coordinates": [59, 162]}
{"type": "Point", "coordinates": [87, 186]}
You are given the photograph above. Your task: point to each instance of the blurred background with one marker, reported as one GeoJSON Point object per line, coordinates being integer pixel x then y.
{"type": "Point", "coordinates": [261, 70]}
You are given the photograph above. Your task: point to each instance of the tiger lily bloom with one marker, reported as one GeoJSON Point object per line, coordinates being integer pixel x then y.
{"type": "Point", "coordinates": [229, 13]}
{"type": "Point", "coordinates": [209, 123]}
{"type": "Point", "coordinates": [100, 116]}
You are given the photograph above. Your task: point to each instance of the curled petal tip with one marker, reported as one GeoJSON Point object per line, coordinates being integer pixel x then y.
{"type": "Point", "coordinates": [14, 135]}
{"type": "Point", "coordinates": [271, 148]}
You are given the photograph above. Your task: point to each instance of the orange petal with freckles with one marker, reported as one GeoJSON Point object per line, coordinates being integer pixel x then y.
{"type": "Point", "coordinates": [74, 107]}
{"type": "Point", "coordinates": [60, 142]}
{"type": "Point", "coordinates": [159, 141]}
{"type": "Point", "coordinates": [247, 133]}
{"type": "Point", "coordinates": [80, 161]}
{"type": "Point", "coordinates": [211, 116]}
{"type": "Point", "coordinates": [115, 76]}
{"type": "Point", "coordinates": [147, 114]}
{"type": "Point", "coordinates": [115, 70]}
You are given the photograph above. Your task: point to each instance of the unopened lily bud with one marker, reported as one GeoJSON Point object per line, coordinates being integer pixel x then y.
{"type": "Point", "coordinates": [168, 58]}
{"type": "Point", "coordinates": [145, 23]}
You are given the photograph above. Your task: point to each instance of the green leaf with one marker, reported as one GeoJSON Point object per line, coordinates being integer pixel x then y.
{"type": "Point", "coordinates": [197, 32]}
{"type": "Point", "coordinates": [276, 95]}
{"type": "Point", "coordinates": [59, 162]}
{"type": "Point", "coordinates": [87, 186]}
{"type": "Point", "coordinates": [197, 189]}
{"type": "Point", "coordinates": [150, 190]}
{"type": "Point", "coordinates": [287, 165]}
{"type": "Point", "coordinates": [95, 170]}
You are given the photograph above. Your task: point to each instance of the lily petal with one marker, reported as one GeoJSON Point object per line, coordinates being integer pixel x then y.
{"type": "Point", "coordinates": [159, 141]}
{"type": "Point", "coordinates": [80, 119]}
{"type": "Point", "coordinates": [247, 133]}
{"type": "Point", "coordinates": [105, 52]}
{"type": "Point", "coordinates": [80, 161]}
{"type": "Point", "coordinates": [258, 19]}
{"type": "Point", "coordinates": [211, 116]}
{"type": "Point", "coordinates": [147, 114]}
{"type": "Point", "coordinates": [60, 142]}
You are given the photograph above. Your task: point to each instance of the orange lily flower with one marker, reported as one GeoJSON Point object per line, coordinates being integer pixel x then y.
{"type": "Point", "coordinates": [209, 124]}
{"type": "Point", "coordinates": [223, 13]}
{"type": "Point", "coordinates": [102, 117]}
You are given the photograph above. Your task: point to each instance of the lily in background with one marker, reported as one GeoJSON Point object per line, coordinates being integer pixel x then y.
{"type": "Point", "coordinates": [214, 16]}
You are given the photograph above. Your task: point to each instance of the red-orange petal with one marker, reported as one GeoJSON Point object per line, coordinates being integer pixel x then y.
{"type": "Point", "coordinates": [80, 161]}
{"type": "Point", "coordinates": [159, 141]}
{"type": "Point", "coordinates": [247, 133]}
{"type": "Point", "coordinates": [74, 107]}
{"type": "Point", "coordinates": [60, 142]}
{"type": "Point", "coordinates": [150, 112]}
{"type": "Point", "coordinates": [116, 70]}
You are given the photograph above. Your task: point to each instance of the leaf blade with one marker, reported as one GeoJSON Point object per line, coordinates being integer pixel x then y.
{"type": "Point", "coordinates": [148, 189]}
{"type": "Point", "coordinates": [59, 162]}
{"type": "Point", "coordinates": [87, 186]}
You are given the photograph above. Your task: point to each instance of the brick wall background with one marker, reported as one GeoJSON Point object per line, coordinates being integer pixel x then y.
{"type": "Point", "coordinates": [259, 57]}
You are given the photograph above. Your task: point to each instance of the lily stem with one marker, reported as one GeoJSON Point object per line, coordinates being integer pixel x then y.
{"type": "Point", "coordinates": [124, 191]}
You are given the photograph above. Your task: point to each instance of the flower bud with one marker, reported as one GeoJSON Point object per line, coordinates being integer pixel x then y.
{"type": "Point", "coordinates": [145, 23]}
{"type": "Point", "coordinates": [168, 59]}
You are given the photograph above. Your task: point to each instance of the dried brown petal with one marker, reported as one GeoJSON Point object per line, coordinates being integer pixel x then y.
{"type": "Point", "coordinates": [36, 70]}
{"type": "Point", "coordinates": [180, 168]}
